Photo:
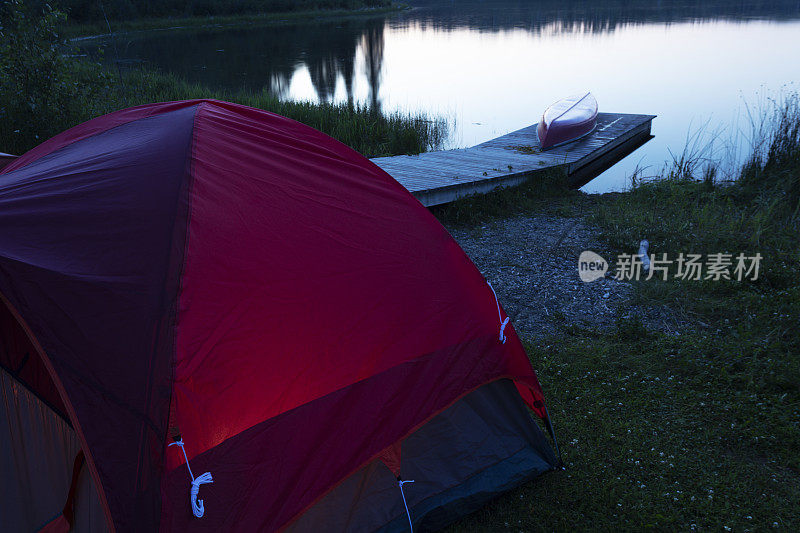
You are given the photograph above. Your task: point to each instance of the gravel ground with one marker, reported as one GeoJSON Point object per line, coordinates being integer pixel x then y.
{"type": "Point", "coordinates": [532, 263]}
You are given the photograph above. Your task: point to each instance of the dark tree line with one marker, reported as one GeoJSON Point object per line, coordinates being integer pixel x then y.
{"type": "Point", "coordinates": [92, 10]}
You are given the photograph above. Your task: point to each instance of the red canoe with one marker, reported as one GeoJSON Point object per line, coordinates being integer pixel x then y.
{"type": "Point", "coordinates": [567, 120]}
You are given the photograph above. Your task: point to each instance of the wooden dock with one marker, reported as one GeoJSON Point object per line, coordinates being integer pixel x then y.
{"type": "Point", "coordinates": [441, 177]}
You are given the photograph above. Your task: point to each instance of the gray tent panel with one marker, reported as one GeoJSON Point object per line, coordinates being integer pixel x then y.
{"type": "Point", "coordinates": [38, 451]}
{"type": "Point", "coordinates": [482, 446]}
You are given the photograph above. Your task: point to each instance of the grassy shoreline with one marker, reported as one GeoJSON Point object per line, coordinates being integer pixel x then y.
{"type": "Point", "coordinates": [691, 426]}
{"type": "Point", "coordinates": [94, 30]}
{"type": "Point", "coordinates": [370, 133]}
{"type": "Point", "coordinates": [373, 134]}
{"type": "Point", "coordinates": [44, 91]}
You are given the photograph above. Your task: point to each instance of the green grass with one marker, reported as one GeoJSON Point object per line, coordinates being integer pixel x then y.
{"type": "Point", "coordinates": [660, 433]}
{"type": "Point", "coordinates": [549, 191]}
{"type": "Point", "coordinates": [370, 133]}
{"type": "Point", "coordinates": [695, 430]}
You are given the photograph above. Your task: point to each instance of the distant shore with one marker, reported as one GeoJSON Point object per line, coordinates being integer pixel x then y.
{"type": "Point", "coordinates": [93, 30]}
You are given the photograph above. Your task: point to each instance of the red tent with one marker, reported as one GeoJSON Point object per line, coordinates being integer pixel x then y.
{"type": "Point", "coordinates": [210, 274]}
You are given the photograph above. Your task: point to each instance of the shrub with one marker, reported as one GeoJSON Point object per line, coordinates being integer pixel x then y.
{"type": "Point", "coordinates": [41, 90]}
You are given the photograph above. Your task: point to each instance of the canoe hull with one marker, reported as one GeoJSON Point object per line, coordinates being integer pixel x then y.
{"type": "Point", "coordinates": [578, 119]}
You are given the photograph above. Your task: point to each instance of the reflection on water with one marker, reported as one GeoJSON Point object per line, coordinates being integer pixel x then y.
{"type": "Point", "coordinates": [492, 66]}
{"type": "Point", "coordinates": [258, 57]}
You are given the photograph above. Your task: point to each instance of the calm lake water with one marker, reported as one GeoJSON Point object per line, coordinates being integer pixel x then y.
{"type": "Point", "coordinates": [491, 67]}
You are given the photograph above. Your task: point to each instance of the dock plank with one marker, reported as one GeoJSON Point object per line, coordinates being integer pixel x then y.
{"type": "Point", "coordinates": [443, 176]}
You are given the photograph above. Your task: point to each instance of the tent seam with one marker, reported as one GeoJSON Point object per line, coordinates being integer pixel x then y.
{"type": "Point", "coordinates": [179, 289]}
